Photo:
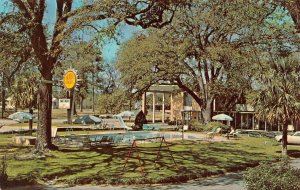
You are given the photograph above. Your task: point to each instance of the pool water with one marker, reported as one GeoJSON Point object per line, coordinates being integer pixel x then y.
{"type": "Point", "coordinates": [126, 138]}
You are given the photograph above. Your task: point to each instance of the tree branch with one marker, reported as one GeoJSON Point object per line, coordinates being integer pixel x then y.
{"type": "Point", "coordinates": [20, 4]}
{"type": "Point", "coordinates": [189, 91]}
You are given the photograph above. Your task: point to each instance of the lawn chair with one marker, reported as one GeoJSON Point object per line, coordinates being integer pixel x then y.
{"type": "Point", "coordinates": [97, 126]}
{"type": "Point", "coordinates": [211, 135]}
{"type": "Point", "coordinates": [110, 124]}
{"type": "Point", "coordinates": [122, 123]}
{"type": "Point", "coordinates": [231, 134]}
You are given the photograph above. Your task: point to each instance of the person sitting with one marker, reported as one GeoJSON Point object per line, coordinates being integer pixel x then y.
{"type": "Point", "coordinates": [232, 133]}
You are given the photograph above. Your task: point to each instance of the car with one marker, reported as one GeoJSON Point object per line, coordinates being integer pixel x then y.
{"type": "Point", "coordinates": [291, 139]}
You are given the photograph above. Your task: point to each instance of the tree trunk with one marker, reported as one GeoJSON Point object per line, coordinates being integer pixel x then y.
{"type": "Point", "coordinates": [284, 139]}
{"type": "Point", "coordinates": [45, 108]}
{"type": "Point", "coordinates": [74, 109]}
{"type": "Point", "coordinates": [3, 99]}
{"type": "Point", "coordinates": [30, 121]}
{"type": "Point", "coordinates": [206, 111]}
{"type": "Point", "coordinates": [15, 108]}
{"type": "Point", "coordinates": [81, 104]}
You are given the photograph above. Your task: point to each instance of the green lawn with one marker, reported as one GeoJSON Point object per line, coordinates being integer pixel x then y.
{"type": "Point", "coordinates": [104, 165]}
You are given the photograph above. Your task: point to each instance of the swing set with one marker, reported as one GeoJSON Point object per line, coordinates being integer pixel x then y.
{"type": "Point", "coordinates": [134, 148]}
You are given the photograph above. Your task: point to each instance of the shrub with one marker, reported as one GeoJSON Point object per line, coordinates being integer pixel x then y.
{"type": "Point", "coordinates": [279, 176]}
{"type": "Point", "coordinates": [200, 127]}
{"type": "Point", "coordinates": [213, 125]}
{"type": "Point", "coordinates": [196, 126]}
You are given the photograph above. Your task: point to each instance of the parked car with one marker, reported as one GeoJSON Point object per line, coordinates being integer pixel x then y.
{"type": "Point", "coordinates": [291, 139]}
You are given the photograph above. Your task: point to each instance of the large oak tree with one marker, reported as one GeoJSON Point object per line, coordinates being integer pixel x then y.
{"type": "Point", "coordinates": [47, 48]}
{"type": "Point", "coordinates": [207, 51]}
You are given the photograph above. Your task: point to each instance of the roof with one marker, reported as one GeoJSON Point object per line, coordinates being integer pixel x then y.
{"type": "Point", "coordinates": [163, 88]}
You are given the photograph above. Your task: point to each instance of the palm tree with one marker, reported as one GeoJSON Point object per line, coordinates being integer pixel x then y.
{"type": "Point", "coordinates": [276, 99]}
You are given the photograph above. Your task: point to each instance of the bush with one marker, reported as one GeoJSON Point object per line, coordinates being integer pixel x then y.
{"type": "Point", "coordinates": [213, 125]}
{"type": "Point", "coordinates": [196, 126]}
{"type": "Point", "coordinates": [279, 176]}
{"type": "Point", "coordinates": [200, 127]}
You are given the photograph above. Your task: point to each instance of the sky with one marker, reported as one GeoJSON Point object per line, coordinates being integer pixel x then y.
{"type": "Point", "coordinates": [110, 47]}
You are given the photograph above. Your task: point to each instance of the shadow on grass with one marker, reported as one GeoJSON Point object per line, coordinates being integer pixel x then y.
{"type": "Point", "coordinates": [294, 153]}
{"type": "Point", "coordinates": [104, 165]}
{"type": "Point", "coordinates": [11, 149]}
{"type": "Point", "coordinates": [291, 153]}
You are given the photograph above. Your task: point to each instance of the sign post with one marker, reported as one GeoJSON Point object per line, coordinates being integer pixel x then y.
{"type": "Point", "coordinates": [70, 81]}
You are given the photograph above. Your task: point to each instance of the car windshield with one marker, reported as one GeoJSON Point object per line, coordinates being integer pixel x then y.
{"type": "Point", "coordinates": [296, 134]}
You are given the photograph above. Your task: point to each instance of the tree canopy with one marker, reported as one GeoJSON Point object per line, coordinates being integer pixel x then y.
{"type": "Point", "coordinates": [208, 50]}
{"type": "Point", "coordinates": [207, 47]}
{"type": "Point", "coordinates": [13, 57]}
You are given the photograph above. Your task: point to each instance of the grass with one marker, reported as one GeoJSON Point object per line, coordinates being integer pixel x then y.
{"type": "Point", "coordinates": [104, 165]}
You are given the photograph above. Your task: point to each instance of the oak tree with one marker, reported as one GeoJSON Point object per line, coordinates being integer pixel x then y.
{"type": "Point", "coordinates": [207, 51]}
{"type": "Point", "coordinates": [69, 18]}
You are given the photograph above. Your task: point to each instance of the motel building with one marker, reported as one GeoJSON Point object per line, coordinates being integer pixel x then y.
{"type": "Point", "coordinates": [168, 103]}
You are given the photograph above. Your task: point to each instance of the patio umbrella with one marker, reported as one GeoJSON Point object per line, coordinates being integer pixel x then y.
{"type": "Point", "coordinates": [20, 116]}
{"type": "Point", "coordinates": [88, 119]}
{"type": "Point", "coordinates": [126, 114]}
{"type": "Point", "coordinates": [222, 117]}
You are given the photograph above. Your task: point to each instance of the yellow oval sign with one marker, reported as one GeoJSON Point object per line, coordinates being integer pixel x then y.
{"type": "Point", "coordinates": [70, 79]}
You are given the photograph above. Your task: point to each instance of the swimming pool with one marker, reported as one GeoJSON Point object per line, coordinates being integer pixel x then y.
{"type": "Point", "coordinates": [125, 138]}
{"type": "Point", "coordinates": [128, 137]}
